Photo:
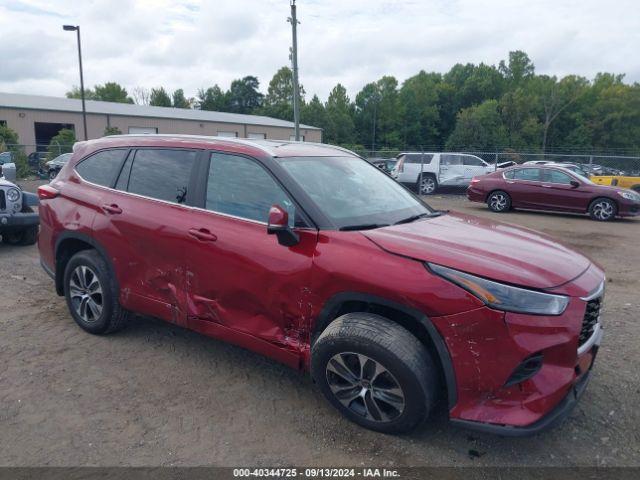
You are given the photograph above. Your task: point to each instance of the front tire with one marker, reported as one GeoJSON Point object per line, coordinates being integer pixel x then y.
{"type": "Point", "coordinates": [92, 294]}
{"type": "Point", "coordinates": [27, 236]}
{"type": "Point", "coordinates": [427, 184]}
{"type": "Point", "coordinates": [499, 201]}
{"type": "Point", "coordinates": [375, 372]}
{"type": "Point", "coordinates": [53, 174]}
{"type": "Point", "coordinates": [603, 209]}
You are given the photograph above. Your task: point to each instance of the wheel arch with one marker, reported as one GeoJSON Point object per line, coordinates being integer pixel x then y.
{"type": "Point", "coordinates": [599, 197]}
{"type": "Point", "coordinates": [416, 322]}
{"type": "Point", "coordinates": [492, 191]}
{"type": "Point", "coordinates": [67, 245]}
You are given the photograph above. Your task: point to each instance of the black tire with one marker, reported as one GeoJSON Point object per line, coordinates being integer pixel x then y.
{"type": "Point", "coordinates": [499, 201]}
{"type": "Point", "coordinates": [406, 361]}
{"type": "Point", "coordinates": [427, 184]}
{"type": "Point", "coordinates": [603, 209]}
{"type": "Point", "coordinates": [112, 316]}
{"type": "Point", "coordinates": [12, 238]}
{"type": "Point", "coordinates": [53, 174]}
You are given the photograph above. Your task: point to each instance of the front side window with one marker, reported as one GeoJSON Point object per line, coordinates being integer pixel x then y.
{"type": "Point", "coordinates": [102, 167]}
{"type": "Point", "coordinates": [472, 161]}
{"type": "Point", "coordinates": [530, 174]}
{"type": "Point", "coordinates": [556, 176]}
{"type": "Point", "coordinates": [160, 174]}
{"type": "Point", "coordinates": [240, 187]}
{"type": "Point", "coordinates": [351, 192]}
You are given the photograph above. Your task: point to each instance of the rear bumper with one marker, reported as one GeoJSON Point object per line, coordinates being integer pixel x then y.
{"type": "Point", "coordinates": [475, 195]}
{"type": "Point", "coordinates": [550, 420]}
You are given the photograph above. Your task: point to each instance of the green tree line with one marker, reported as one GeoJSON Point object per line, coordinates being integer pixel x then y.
{"type": "Point", "coordinates": [470, 107]}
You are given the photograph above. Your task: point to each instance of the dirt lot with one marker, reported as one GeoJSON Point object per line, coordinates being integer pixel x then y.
{"type": "Point", "coordinates": [156, 394]}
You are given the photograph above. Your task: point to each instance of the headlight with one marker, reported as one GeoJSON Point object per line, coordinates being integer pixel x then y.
{"type": "Point", "coordinates": [629, 195]}
{"type": "Point", "coordinates": [13, 195]}
{"type": "Point", "coordinates": [505, 297]}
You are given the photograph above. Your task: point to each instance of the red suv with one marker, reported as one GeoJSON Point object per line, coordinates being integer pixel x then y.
{"type": "Point", "coordinates": [312, 256]}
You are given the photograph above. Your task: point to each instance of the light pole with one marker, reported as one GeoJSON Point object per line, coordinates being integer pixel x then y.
{"type": "Point", "coordinates": [294, 61]}
{"type": "Point", "coordinates": [76, 28]}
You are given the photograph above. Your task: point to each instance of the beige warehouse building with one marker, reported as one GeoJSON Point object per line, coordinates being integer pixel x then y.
{"type": "Point", "coordinates": [37, 119]}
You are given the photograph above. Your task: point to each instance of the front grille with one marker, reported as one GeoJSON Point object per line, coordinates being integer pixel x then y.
{"type": "Point", "coordinates": [3, 201]}
{"type": "Point", "coordinates": [591, 316]}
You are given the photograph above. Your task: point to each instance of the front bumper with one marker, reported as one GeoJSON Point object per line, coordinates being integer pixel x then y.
{"type": "Point", "coordinates": [628, 208]}
{"type": "Point", "coordinates": [550, 420]}
{"type": "Point", "coordinates": [18, 220]}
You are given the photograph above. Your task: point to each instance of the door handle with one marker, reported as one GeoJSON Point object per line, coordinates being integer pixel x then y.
{"type": "Point", "coordinates": [112, 209]}
{"type": "Point", "coordinates": [202, 234]}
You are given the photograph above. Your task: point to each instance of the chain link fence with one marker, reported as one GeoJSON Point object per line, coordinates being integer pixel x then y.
{"type": "Point", "coordinates": [30, 160]}
{"type": "Point", "coordinates": [596, 163]}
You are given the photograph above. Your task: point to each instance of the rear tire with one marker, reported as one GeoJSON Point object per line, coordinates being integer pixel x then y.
{"type": "Point", "coordinates": [603, 209]}
{"type": "Point", "coordinates": [375, 372]}
{"type": "Point", "coordinates": [52, 174]}
{"type": "Point", "coordinates": [499, 201]}
{"type": "Point", "coordinates": [427, 184]}
{"type": "Point", "coordinates": [92, 294]}
{"type": "Point", "coordinates": [24, 237]}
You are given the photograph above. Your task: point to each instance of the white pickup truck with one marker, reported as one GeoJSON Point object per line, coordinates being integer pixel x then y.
{"type": "Point", "coordinates": [427, 171]}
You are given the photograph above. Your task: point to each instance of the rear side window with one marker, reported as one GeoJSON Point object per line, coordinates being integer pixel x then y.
{"type": "Point", "coordinates": [102, 167]}
{"type": "Point", "coordinates": [531, 174]}
{"type": "Point", "coordinates": [240, 187]}
{"type": "Point", "coordinates": [160, 174]}
{"type": "Point", "coordinates": [419, 158]}
{"type": "Point", "coordinates": [450, 159]}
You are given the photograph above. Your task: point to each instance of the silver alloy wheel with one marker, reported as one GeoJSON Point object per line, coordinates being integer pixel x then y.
{"type": "Point", "coordinates": [498, 202]}
{"type": "Point", "coordinates": [427, 185]}
{"type": "Point", "coordinates": [603, 210]}
{"type": "Point", "coordinates": [52, 174]}
{"type": "Point", "coordinates": [365, 387]}
{"type": "Point", "coordinates": [85, 291]}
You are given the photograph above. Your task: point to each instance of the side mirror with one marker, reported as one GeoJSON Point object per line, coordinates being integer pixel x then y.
{"type": "Point", "coordinates": [575, 183]}
{"type": "Point", "coordinates": [278, 224]}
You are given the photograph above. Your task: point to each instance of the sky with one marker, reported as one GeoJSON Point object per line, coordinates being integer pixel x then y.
{"type": "Point", "coordinates": [193, 44]}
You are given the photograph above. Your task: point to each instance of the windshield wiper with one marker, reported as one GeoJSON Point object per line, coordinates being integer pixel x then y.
{"type": "Point", "coordinates": [364, 226]}
{"type": "Point", "coordinates": [413, 218]}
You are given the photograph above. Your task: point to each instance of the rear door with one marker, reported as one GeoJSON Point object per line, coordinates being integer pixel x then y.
{"type": "Point", "coordinates": [474, 167]}
{"type": "Point", "coordinates": [451, 170]}
{"type": "Point", "coordinates": [242, 284]}
{"type": "Point", "coordinates": [524, 186]}
{"type": "Point", "coordinates": [144, 226]}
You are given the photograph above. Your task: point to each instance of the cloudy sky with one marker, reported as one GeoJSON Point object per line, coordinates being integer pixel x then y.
{"type": "Point", "coordinates": [191, 44]}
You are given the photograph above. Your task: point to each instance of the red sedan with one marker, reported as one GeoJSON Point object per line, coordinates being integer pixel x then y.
{"type": "Point", "coordinates": [552, 188]}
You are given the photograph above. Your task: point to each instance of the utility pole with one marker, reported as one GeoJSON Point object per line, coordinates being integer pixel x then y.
{"type": "Point", "coordinates": [294, 62]}
{"type": "Point", "coordinates": [76, 28]}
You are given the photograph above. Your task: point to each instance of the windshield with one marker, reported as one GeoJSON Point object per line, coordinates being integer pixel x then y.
{"type": "Point", "coordinates": [353, 193]}
{"type": "Point", "coordinates": [581, 174]}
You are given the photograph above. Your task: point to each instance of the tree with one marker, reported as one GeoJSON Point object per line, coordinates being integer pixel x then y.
{"type": "Point", "coordinates": [479, 128]}
{"type": "Point", "coordinates": [213, 99]}
{"type": "Point", "coordinates": [159, 97]}
{"type": "Point", "coordinates": [314, 113]}
{"type": "Point", "coordinates": [179, 100]}
{"type": "Point", "coordinates": [420, 118]}
{"type": "Point", "coordinates": [61, 143]}
{"type": "Point", "coordinates": [141, 95]}
{"type": "Point", "coordinates": [519, 68]}
{"type": "Point", "coordinates": [112, 92]}
{"type": "Point", "coordinates": [9, 142]}
{"type": "Point", "coordinates": [555, 97]}
{"type": "Point", "coordinates": [279, 100]}
{"type": "Point", "coordinates": [75, 93]}
{"type": "Point", "coordinates": [112, 131]}
{"type": "Point", "coordinates": [340, 127]}
{"type": "Point", "coordinates": [519, 112]}
{"type": "Point", "coordinates": [244, 96]}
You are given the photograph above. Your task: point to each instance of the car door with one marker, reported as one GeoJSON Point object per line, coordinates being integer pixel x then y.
{"type": "Point", "coordinates": [524, 187]}
{"type": "Point", "coordinates": [557, 192]}
{"type": "Point", "coordinates": [243, 285]}
{"type": "Point", "coordinates": [451, 170]}
{"type": "Point", "coordinates": [143, 224]}
{"type": "Point", "coordinates": [474, 167]}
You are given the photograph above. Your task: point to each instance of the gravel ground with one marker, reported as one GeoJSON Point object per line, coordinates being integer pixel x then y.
{"type": "Point", "coordinates": [156, 394]}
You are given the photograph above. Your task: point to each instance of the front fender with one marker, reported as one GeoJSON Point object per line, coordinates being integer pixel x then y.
{"type": "Point", "coordinates": [30, 199]}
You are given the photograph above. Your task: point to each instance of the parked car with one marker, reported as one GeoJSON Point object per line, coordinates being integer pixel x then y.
{"type": "Point", "coordinates": [310, 255]}
{"type": "Point", "coordinates": [384, 164]}
{"type": "Point", "coordinates": [553, 188]}
{"type": "Point", "coordinates": [427, 171]}
{"type": "Point", "coordinates": [18, 221]}
{"type": "Point", "coordinates": [35, 159]}
{"type": "Point", "coordinates": [55, 165]}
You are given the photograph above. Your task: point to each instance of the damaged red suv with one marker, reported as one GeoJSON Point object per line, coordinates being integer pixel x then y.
{"type": "Point", "coordinates": [312, 256]}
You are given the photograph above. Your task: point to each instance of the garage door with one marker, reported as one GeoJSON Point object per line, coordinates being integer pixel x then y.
{"type": "Point", "coordinates": [139, 130]}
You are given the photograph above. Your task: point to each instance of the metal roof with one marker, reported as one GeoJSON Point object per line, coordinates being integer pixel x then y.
{"type": "Point", "coordinates": [60, 104]}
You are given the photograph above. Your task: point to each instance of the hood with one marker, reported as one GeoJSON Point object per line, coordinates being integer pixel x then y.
{"type": "Point", "coordinates": [493, 250]}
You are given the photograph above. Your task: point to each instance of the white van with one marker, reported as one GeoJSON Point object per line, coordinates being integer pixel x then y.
{"type": "Point", "coordinates": [426, 171]}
